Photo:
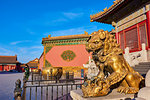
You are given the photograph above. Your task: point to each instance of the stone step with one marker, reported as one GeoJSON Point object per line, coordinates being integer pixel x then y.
{"type": "Point", "coordinates": [141, 70]}
{"type": "Point", "coordinates": [145, 71]}
{"type": "Point", "coordinates": [144, 63]}
{"type": "Point", "coordinates": [142, 66]}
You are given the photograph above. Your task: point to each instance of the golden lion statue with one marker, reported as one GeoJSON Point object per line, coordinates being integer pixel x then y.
{"type": "Point", "coordinates": [109, 59]}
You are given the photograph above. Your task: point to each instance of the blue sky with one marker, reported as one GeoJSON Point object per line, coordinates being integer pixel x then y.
{"type": "Point", "coordinates": [23, 23]}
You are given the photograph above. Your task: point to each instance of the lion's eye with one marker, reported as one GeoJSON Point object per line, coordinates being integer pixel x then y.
{"type": "Point", "coordinates": [96, 42]}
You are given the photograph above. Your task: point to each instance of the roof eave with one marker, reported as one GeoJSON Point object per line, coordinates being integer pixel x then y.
{"type": "Point", "coordinates": [65, 37]}
{"type": "Point", "coordinates": [106, 13]}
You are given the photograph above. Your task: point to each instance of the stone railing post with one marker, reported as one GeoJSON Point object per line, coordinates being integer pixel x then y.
{"type": "Point", "coordinates": [17, 90]}
{"type": "Point", "coordinates": [24, 88]}
{"type": "Point", "coordinates": [127, 56]}
{"type": "Point", "coordinates": [144, 53]}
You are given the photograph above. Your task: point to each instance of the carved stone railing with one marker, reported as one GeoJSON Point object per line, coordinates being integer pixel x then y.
{"type": "Point", "coordinates": [135, 58]}
{"type": "Point", "coordinates": [92, 69]}
{"type": "Point", "coordinates": [17, 90]}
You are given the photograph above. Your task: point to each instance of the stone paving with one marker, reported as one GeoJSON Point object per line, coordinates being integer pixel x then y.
{"type": "Point", "coordinates": [7, 84]}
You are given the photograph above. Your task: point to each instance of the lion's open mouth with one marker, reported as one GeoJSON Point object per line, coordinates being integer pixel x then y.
{"type": "Point", "coordinates": [96, 51]}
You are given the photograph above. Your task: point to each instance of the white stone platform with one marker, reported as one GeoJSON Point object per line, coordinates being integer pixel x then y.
{"type": "Point", "coordinates": [114, 95]}
{"type": "Point", "coordinates": [144, 93]}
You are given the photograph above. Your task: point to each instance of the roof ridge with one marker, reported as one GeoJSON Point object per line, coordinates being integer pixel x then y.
{"type": "Point", "coordinates": [85, 35]}
{"type": "Point", "coordinates": [8, 56]}
{"type": "Point", "coordinates": [94, 16]}
{"type": "Point", "coordinates": [49, 36]}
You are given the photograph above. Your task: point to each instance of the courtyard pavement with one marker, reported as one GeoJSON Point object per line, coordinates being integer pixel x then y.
{"type": "Point", "coordinates": [7, 84]}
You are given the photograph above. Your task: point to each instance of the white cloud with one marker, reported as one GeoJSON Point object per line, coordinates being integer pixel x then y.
{"type": "Point", "coordinates": [72, 15]}
{"type": "Point", "coordinates": [72, 31]}
{"type": "Point", "coordinates": [30, 31]}
{"type": "Point", "coordinates": [17, 42]}
{"type": "Point", "coordinates": [30, 53]}
{"type": "Point", "coordinates": [60, 20]}
{"type": "Point", "coordinates": [24, 54]}
{"type": "Point", "coordinates": [4, 51]}
{"type": "Point", "coordinates": [64, 17]}
{"type": "Point", "coordinates": [37, 47]}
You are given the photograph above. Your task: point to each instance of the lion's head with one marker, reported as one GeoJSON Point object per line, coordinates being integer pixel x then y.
{"type": "Point", "coordinates": [102, 40]}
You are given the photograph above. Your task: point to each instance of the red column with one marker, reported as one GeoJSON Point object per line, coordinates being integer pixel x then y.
{"type": "Point", "coordinates": [148, 26]}
{"type": "Point", "coordinates": [7, 68]}
{"type": "Point", "coordinates": [1, 69]}
{"type": "Point", "coordinates": [117, 37]}
{"type": "Point", "coordinates": [4, 68]}
{"type": "Point", "coordinates": [139, 42]}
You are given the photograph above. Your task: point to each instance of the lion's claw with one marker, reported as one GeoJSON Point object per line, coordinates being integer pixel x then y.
{"type": "Point", "coordinates": [127, 90]}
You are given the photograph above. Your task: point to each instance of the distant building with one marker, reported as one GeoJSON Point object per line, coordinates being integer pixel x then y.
{"type": "Point", "coordinates": [8, 63]}
{"type": "Point", "coordinates": [131, 19]}
{"type": "Point", "coordinates": [40, 65]}
{"type": "Point", "coordinates": [23, 67]}
{"type": "Point", "coordinates": [67, 52]}
{"type": "Point", "coordinates": [32, 64]}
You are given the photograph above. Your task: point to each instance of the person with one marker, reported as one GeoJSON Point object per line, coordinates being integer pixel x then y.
{"type": "Point", "coordinates": [26, 71]}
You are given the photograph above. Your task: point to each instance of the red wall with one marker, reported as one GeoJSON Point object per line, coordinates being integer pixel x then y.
{"type": "Point", "coordinates": [55, 59]}
{"type": "Point", "coordinates": [10, 67]}
{"type": "Point", "coordinates": [1, 68]}
{"type": "Point", "coordinates": [148, 26]}
{"type": "Point", "coordinates": [139, 38]}
{"type": "Point", "coordinates": [41, 62]}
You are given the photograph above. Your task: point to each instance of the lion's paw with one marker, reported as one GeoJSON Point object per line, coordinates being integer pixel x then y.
{"type": "Point", "coordinates": [127, 90]}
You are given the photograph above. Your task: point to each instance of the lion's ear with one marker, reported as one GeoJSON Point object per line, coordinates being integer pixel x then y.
{"type": "Point", "coordinates": [102, 35]}
{"type": "Point", "coordinates": [89, 38]}
{"type": "Point", "coordinates": [93, 33]}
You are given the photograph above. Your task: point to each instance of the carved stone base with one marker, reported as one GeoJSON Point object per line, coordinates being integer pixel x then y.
{"type": "Point", "coordinates": [114, 95]}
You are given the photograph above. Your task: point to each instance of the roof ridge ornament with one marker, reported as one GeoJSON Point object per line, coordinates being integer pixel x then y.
{"type": "Point", "coordinates": [86, 33]}
{"type": "Point", "coordinates": [49, 36]}
{"type": "Point", "coordinates": [93, 16]}
{"type": "Point", "coordinates": [116, 1]}
{"type": "Point", "coordinates": [105, 9]}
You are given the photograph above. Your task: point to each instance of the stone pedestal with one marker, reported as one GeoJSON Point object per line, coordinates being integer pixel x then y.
{"type": "Point", "coordinates": [114, 95]}
{"type": "Point", "coordinates": [145, 92]}
{"type": "Point", "coordinates": [92, 69]}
